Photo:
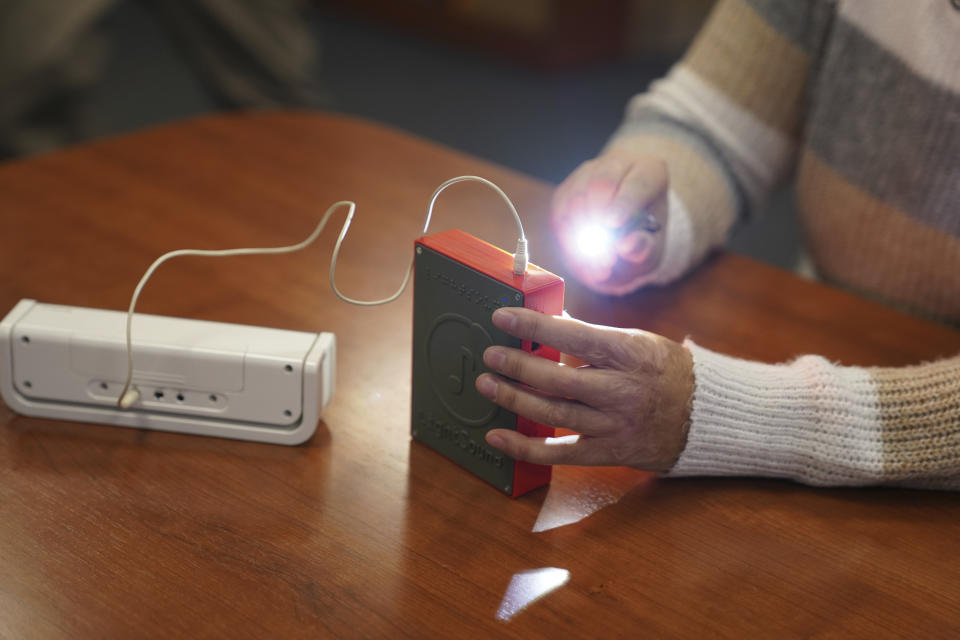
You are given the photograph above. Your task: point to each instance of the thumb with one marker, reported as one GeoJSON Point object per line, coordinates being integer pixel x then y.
{"type": "Point", "coordinates": [635, 246]}
{"type": "Point", "coordinates": [644, 183]}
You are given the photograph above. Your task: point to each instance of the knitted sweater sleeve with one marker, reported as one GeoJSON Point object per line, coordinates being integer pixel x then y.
{"type": "Point", "coordinates": [824, 424]}
{"type": "Point", "coordinates": [726, 120]}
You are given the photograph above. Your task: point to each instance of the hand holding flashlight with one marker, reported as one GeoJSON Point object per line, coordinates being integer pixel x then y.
{"type": "Point", "coordinates": [610, 217]}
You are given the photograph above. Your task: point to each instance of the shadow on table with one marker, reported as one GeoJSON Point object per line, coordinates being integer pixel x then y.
{"type": "Point", "coordinates": [43, 446]}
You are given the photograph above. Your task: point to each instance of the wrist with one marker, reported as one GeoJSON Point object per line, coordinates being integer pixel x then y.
{"type": "Point", "coordinates": [683, 387]}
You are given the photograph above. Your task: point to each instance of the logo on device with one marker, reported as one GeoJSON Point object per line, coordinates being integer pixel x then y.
{"type": "Point", "coordinates": [455, 346]}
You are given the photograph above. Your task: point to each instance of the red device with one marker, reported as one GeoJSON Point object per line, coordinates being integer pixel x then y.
{"type": "Point", "coordinates": [459, 281]}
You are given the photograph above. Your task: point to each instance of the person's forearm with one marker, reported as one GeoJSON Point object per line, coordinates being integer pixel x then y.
{"type": "Point", "coordinates": [824, 424]}
{"type": "Point", "coordinates": [726, 120]}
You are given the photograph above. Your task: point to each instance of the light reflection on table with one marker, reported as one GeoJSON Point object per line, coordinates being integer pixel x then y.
{"type": "Point", "coordinates": [527, 587]}
{"type": "Point", "coordinates": [576, 493]}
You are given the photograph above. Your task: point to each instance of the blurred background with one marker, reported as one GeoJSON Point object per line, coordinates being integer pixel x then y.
{"type": "Point", "coordinates": [535, 85]}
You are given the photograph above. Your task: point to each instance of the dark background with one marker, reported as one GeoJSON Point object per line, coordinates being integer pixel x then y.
{"type": "Point", "coordinates": [540, 104]}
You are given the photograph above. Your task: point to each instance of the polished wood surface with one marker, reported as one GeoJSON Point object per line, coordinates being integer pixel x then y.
{"type": "Point", "coordinates": [118, 533]}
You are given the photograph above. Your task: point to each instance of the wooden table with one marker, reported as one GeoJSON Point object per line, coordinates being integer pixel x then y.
{"type": "Point", "coordinates": [117, 533]}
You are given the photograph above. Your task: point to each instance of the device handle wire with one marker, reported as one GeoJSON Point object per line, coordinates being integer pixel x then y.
{"type": "Point", "coordinates": [129, 396]}
{"type": "Point", "coordinates": [520, 256]}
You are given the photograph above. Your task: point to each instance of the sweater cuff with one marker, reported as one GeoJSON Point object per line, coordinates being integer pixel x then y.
{"type": "Point", "coordinates": [809, 420]}
{"type": "Point", "coordinates": [678, 245]}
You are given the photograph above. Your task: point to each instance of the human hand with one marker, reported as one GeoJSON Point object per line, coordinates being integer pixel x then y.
{"type": "Point", "coordinates": [630, 403]}
{"type": "Point", "coordinates": [615, 192]}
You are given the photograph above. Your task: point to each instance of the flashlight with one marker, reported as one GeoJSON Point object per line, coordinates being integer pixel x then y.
{"type": "Point", "coordinates": [595, 241]}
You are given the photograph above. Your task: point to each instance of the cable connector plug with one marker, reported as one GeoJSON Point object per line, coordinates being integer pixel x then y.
{"type": "Point", "coordinates": [128, 399]}
{"type": "Point", "coordinates": [520, 259]}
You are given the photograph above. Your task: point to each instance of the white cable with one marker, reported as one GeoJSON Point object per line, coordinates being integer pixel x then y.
{"type": "Point", "coordinates": [520, 259]}
{"type": "Point", "coordinates": [128, 397]}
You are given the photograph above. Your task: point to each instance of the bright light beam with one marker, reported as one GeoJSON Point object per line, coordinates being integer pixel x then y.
{"type": "Point", "coordinates": [593, 240]}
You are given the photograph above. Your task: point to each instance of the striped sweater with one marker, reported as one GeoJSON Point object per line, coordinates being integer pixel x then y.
{"type": "Point", "coordinates": [857, 101]}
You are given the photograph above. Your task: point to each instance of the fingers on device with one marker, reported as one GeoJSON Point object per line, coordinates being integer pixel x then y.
{"type": "Point", "coordinates": [459, 281]}
{"type": "Point", "coordinates": [192, 376]}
